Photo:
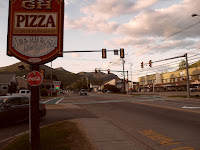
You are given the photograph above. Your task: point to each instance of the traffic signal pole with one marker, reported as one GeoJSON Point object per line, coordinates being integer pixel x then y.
{"type": "Point", "coordinates": [124, 77]}
{"type": "Point", "coordinates": [187, 70]}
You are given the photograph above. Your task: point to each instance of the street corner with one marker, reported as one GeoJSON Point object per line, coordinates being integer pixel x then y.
{"type": "Point", "coordinates": [54, 106]}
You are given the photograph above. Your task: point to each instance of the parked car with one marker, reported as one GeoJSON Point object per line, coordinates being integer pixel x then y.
{"type": "Point", "coordinates": [24, 93]}
{"type": "Point", "coordinates": [83, 92]}
{"type": "Point", "coordinates": [195, 89]}
{"type": "Point", "coordinates": [16, 108]}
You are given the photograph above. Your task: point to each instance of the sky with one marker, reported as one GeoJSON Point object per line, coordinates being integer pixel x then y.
{"type": "Point", "coordinates": [147, 30]}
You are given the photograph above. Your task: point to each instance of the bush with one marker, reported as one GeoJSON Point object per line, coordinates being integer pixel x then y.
{"type": "Point", "coordinates": [112, 88]}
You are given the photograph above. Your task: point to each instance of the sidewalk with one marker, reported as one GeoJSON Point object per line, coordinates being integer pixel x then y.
{"type": "Point", "coordinates": [103, 134]}
{"type": "Point", "coordinates": [106, 136]}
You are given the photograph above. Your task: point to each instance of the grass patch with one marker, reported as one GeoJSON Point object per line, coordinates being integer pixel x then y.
{"type": "Point", "coordinates": [59, 136]}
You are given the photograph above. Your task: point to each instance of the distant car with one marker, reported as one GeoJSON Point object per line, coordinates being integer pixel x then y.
{"type": "Point", "coordinates": [108, 91]}
{"type": "Point", "coordinates": [24, 93]}
{"type": "Point", "coordinates": [61, 91]}
{"type": "Point", "coordinates": [76, 91]}
{"type": "Point", "coordinates": [16, 108]}
{"type": "Point", "coordinates": [83, 92]}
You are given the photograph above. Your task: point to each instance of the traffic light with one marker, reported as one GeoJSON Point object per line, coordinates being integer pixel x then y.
{"type": "Point", "coordinates": [150, 63]}
{"type": "Point", "coordinates": [95, 70]}
{"type": "Point", "coordinates": [121, 53]}
{"type": "Point", "coordinates": [108, 71]}
{"type": "Point", "coordinates": [103, 53]}
{"type": "Point", "coordinates": [142, 65]}
{"type": "Point", "coordinates": [115, 52]}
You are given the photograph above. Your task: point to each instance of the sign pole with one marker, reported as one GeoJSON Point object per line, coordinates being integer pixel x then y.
{"type": "Point", "coordinates": [35, 36]}
{"type": "Point", "coordinates": [35, 115]}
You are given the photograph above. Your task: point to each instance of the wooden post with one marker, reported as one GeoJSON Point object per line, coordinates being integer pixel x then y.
{"type": "Point", "coordinates": [35, 114]}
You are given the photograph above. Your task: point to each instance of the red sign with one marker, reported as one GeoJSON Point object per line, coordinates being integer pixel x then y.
{"type": "Point", "coordinates": [34, 78]}
{"type": "Point", "coordinates": [35, 30]}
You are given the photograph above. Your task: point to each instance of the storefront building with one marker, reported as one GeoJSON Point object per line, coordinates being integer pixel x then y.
{"type": "Point", "coordinates": [171, 81]}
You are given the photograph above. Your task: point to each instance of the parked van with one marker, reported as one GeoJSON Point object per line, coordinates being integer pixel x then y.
{"type": "Point", "coordinates": [24, 93]}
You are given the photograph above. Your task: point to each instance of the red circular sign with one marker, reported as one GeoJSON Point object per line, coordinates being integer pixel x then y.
{"type": "Point", "coordinates": [34, 78]}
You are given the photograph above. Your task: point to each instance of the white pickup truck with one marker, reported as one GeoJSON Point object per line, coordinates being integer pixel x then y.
{"type": "Point", "coordinates": [24, 93]}
{"type": "Point", "coordinates": [195, 89]}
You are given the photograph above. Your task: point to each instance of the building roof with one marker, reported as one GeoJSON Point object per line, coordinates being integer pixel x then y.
{"type": "Point", "coordinates": [6, 78]}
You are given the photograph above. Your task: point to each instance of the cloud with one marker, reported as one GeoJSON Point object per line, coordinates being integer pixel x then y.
{"type": "Point", "coordinates": [163, 23]}
{"type": "Point", "coordinates": [90, 24]}
{"type": "Point", "coordinates": [97, 15]}
{"type": "Point", "coordinates": [129, 41]}
{"type": "Point", "coordinates": [160, 29]}
{"type": "Point", "coordinates": [3, 4]}
{"type": "Point", "coordinates": [75, 55]}
{"type": "Point", "coordinates": [113, 8]}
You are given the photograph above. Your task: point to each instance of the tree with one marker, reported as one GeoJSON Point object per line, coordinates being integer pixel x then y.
{"type": "Point", "coordinates": [12, 88]}
{"type": "Point", "coordinates": [111, 88]}
{"type": "Point", "coordinates": [182, 65]}
{"type": "Point", "coordinates": [53, 77]}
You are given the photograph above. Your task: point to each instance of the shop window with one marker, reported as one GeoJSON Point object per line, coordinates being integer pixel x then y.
{"type": "Point", "coordinates": [150, 82]}
{"type": "Point", "coordinates": [164, 81]}
{"type": "Point", "coordinates": [190, 77]}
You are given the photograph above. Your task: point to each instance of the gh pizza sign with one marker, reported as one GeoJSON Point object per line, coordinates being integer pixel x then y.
{"type": "Point", "coordinates": [35, 30]}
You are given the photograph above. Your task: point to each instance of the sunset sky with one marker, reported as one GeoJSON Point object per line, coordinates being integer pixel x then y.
{"type": "Point", "coordinates": [146, 29]}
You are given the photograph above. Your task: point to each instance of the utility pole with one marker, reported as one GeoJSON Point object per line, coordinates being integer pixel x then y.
{"type": "Point", "coordinates": [131, 77]}
{"type": "Point", "coordinates": [188, 82]}
{"type": "Point", "coordinates": [127, 83]}
{"type": "Point", "coordinates": [87, 81]}
{"type": "Point", "coordinates": [124, 76]}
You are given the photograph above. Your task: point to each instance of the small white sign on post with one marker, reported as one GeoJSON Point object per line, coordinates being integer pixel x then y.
{"type": "Point", "coordinates": [56, 82]}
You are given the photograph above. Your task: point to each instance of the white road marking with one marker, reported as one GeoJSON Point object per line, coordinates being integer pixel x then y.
{"type": "Point", "coordinates": [186, 107]}
{"type": "Point", "coordinates": [49, 100]}
{"type": "Point", "coordinates": [59, 100]}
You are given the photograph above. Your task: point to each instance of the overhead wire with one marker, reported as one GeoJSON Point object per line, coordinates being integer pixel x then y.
{"type": "Point", "coordinates": [173, 34]}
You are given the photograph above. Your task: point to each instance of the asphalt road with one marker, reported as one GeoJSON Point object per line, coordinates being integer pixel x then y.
{"type": "Point", "coordinates": [157, 122]}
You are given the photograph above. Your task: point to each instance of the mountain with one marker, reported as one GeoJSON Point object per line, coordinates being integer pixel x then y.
{"type": "Point", "coordinates": [195, 64]}
{"type": "Point", "coordinates": [67, 78]}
